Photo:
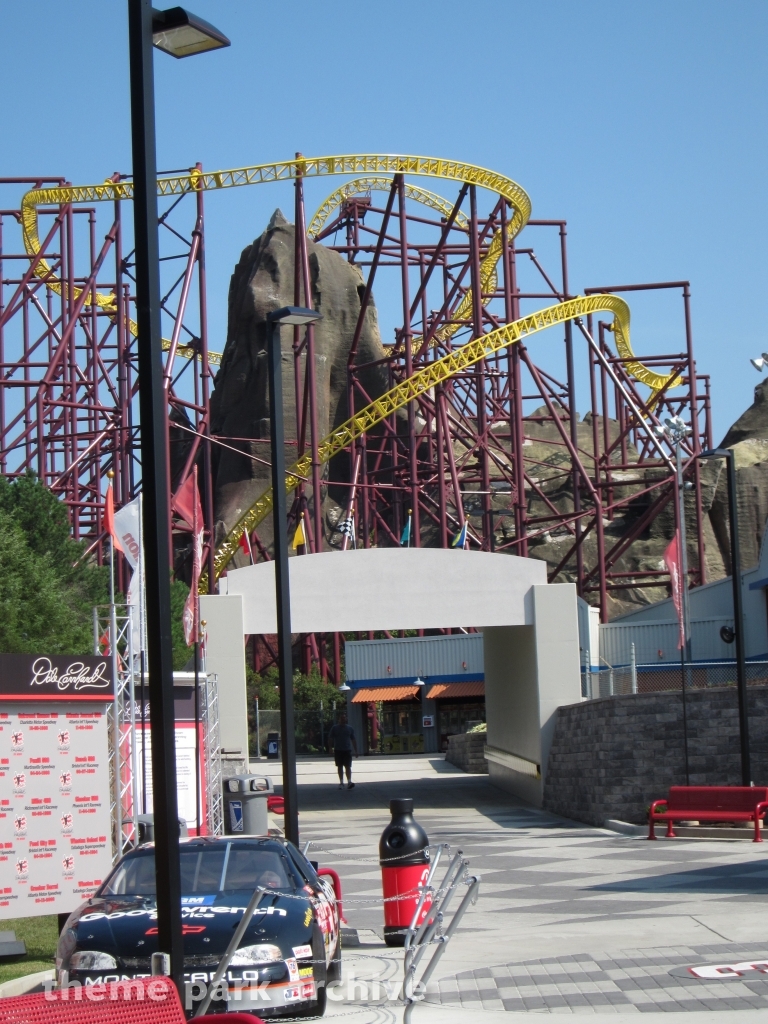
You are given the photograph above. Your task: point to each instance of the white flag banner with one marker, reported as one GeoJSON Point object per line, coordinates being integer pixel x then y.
{"type": "Point", "coordinates": [128, 530]}
{"type": "Point", "coordinates": [136, 592]}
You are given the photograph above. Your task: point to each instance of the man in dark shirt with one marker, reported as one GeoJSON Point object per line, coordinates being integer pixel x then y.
{"type": "Point", "coordinates": [341, 739]}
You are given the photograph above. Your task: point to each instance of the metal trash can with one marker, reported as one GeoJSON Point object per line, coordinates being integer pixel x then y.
{"type": "Point", "coordinates": [273, 746]}
{"type": "Point", "coordinates": [245, 805]}
{"type": "Point", "coordinates": [147, 828]}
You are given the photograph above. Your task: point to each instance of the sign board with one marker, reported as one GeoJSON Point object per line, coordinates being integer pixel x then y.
{"type": "Point", "coordinates": [55, 824]}
{"type": "Point", "coordinates": [186, 774]}
{"type": "Point", "coordinates": [55, 677]}
{"type": "Point", "coordinates": [427, 722]}
{"type": "Point", "coordinates": [55, 829]}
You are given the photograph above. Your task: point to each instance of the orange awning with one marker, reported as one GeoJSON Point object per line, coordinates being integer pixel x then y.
{"type": "Point", "coordinates": [367, 694]}
{"type": "Point", "coordinates": [446, 690]}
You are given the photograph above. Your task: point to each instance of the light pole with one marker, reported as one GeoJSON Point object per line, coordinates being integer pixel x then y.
{"type": "Point", "coordinates": [295, 315]}
{"type": "Point", "coordinates": [738, 610]}
{"type": "Point", "coordinates": [180, 34]}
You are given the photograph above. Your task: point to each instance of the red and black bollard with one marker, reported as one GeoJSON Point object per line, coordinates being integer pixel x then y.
{"type": "Point", "coordinates": [404, 860]}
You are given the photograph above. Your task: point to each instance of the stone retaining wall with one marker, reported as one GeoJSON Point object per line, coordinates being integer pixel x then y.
{"type": "Point", "coordinates": [611, 757]}
{"type": "Point", "coordinates": [465, 750]}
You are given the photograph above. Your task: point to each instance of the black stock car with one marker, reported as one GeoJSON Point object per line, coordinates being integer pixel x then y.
{"type": "Point", "coordinates": [290, 951]}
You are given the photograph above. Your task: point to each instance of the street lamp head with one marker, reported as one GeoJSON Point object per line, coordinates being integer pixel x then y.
{"type": "Point", "coordinates": [296, 315]}
{"type": "Point", "coordinates": [182, 34]}
{"type": "Point", "coordinates": [758, 363]}
{"type": "Point", "coordinates": [418, 681]}
{"type": "Point", "coordinates": [344, 688]}
{"type": "Point", "coordinates": [715, 453]}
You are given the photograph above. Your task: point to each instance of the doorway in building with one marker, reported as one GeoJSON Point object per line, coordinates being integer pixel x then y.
{"type": "Point", "coordinates": [401, 728]}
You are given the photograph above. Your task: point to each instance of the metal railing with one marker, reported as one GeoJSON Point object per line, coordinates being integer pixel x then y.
{"type": "Point", "coordinates": [435, 932]}
{"type": "Point", "coordinates": [618, 680]}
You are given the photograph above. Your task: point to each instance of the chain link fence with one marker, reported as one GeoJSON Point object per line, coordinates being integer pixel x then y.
{"type": "Point", "coordinates": [311, 730]}
{"type": "Point", "coordinates": [699, 675]}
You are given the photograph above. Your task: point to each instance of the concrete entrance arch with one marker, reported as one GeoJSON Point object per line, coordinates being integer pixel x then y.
{"type": "Point", "coordinates": [530, 630]}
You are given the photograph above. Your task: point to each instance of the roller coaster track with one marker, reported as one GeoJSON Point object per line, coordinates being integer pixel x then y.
{"type": "Point", "coordinates": [362, 186]}
{"type": "Point", "coordinates": [421, 381]}
{"type": "Point", "coordinates": [417, 384]}
{"type": "Point", "coordinates": [488, 274]}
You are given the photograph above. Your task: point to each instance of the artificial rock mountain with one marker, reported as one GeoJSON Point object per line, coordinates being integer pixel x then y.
{"type": "Point", "coordinates": [263, 281]}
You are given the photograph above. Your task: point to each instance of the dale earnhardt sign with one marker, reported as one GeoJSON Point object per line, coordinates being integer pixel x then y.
{"type": "Point", "coordinates": [55, 677]}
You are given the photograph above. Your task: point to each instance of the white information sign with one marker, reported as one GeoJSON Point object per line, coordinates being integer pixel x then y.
{"type": "Point", "coordinates": [186, 774]}
{"type": "Point", "coordinates": [55, 841]}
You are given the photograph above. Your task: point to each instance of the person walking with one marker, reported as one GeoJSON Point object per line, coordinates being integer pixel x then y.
{"type": "Point", "coordinates": [341, 739]}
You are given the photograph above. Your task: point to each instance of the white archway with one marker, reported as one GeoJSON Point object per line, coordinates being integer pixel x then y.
{"type": "Point", "coordinates": [530, 631]}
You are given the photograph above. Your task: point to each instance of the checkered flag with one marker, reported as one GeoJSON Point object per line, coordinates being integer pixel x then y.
{"type": "Point", "coordinates": [347, 528]}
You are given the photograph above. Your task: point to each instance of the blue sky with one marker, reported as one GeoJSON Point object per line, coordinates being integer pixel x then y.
{"type": "Point", "coordinates": [644, 125]}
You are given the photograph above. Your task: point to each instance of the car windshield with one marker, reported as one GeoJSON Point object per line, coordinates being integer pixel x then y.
{"type": "Point", "coordinates": [205, 869]}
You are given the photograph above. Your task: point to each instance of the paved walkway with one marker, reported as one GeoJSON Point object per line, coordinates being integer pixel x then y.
{"type": "Point", "coordinates": [570, 919]}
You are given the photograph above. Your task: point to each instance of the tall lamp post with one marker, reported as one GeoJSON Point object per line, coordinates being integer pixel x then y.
{"type": "Point", "coordinates": [295, 315]}
{"type": "Point", "coordinates": [738, 609]}
{"type": "Point", "coordinates": [181, 34]}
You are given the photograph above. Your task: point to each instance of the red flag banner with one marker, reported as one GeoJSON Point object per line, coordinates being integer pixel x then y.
{"type": "Point", "coordinates": [673, 561]}
{"type": "Point", "coordinates": [186, 502]}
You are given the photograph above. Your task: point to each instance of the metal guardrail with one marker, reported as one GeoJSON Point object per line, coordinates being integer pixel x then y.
{"type": "Point", "coordinates": [433, 932]}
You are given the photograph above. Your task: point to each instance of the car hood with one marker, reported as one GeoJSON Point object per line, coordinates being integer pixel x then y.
{"type": "Point", "coordinates": [126, 926]}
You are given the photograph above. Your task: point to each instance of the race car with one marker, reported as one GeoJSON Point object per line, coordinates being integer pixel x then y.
{"type": "Point", "coordinates": [287, 956]}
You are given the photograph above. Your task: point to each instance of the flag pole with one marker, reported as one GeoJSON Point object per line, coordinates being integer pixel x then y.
{"type": "Point", "coordinates": [196, 627]}
{"type": "Point", "coordinates": [113, 652]}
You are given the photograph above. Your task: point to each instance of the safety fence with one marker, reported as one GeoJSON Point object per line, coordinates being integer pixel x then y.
{"type": "Point", "coordinates": [699, 675]}
{"type": "Point", "coordinates": [311, 730]}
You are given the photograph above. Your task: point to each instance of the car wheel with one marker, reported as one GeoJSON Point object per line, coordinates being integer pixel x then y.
{"type": "Point", "coordinates": [334, 968]}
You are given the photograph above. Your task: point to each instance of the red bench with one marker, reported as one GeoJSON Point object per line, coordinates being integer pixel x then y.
{"type": "Point", "coordinates": [142, 1001]}
{"type": "Point", "coordinates": [276, 804]}
{"type": "Point", "coordinates": [710, 803]}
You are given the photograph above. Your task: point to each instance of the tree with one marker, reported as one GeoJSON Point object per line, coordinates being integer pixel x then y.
{"type": "Point", "coordinates": [183, 656]}
{"type": "Point", "coordinates": [309, 693]}
{"type": "Point", "coordinates": [48, 586]}
{"type": "Point", "coordinates": [42, 608]}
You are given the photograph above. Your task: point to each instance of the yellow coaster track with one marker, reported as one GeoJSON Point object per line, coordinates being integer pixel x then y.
{"type": "Point", "coordinates": [488, 275]}
{"type": "Point", "coordinates": [371, 165]}
{"type": "Point", "coordinates": [417, 384]}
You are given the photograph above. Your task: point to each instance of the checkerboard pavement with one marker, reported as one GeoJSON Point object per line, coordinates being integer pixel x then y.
{"type": "Point", "coordinates": [570, 919]}
{"type": "Point", "coordinates": [631, 979]}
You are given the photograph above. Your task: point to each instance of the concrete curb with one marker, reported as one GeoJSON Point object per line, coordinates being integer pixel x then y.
{"type": "Point", "coordinates": [26, 984]}
{"type": "Point", "coordinates": [625, 828]}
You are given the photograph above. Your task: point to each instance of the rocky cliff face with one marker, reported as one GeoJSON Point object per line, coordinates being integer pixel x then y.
{"type": "Point", "coordinates": [748, 437]}
{"type": "Point", "coordinates": [262, 282]}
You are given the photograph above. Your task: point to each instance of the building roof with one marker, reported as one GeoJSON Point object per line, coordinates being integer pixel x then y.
{"type": "Point", "coordinates": [443, 691]}
{"type": "Point", "coordinates": [370, 693]}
